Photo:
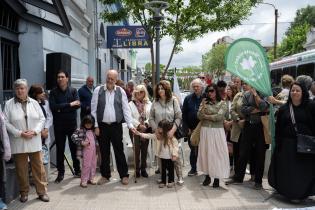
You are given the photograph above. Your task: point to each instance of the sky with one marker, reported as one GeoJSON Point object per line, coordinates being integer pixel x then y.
{"type": "Point", "coordinates": [193, 51]}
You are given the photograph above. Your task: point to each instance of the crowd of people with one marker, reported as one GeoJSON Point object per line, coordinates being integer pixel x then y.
{"type": "Point", "coordinates": [229, 118]}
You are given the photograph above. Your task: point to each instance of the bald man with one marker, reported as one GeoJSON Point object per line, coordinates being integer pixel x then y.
{"type": "Point", "coordinates": [109, 107]}
{"type": "Point", "coordinates": [85, 94]}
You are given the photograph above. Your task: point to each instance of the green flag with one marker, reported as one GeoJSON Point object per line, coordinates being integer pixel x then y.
{"type": "Point", "coordinates": [247, 59]}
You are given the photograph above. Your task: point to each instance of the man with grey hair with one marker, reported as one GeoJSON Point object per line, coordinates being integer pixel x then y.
{"type": "Point", "coordinates": [109, 107]}
{"type": "Point", "coordinates": [305, 80]}
{"type": "Point", "coordinates": [189, 114]}
{"type": "Point", "coordinates": [85, 95]}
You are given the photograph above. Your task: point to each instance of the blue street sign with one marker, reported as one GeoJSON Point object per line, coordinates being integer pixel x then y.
{"type": "Point", "coordinates": [127, 37]}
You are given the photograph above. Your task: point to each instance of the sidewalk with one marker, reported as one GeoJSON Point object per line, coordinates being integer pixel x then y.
{"type": "Point", "coordinates": [145, 195]}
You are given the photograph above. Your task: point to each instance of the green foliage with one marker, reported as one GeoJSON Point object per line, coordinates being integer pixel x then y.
{"type": "Point", "coordinates": [304, 15]}
{"type": "Point", "coordinates": [296, 34]}
{"type": "Point", "coordinates": [293, 42]}
{"type": "Point", "coordinates": [213, 60]}
{"type": "Point", "coordinates": [184, 20]}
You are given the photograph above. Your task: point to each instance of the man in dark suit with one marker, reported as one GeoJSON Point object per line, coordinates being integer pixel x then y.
{"type": "Point", "coordinates": [85, 94]}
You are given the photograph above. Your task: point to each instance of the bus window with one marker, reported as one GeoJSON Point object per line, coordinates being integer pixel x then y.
{"type": "Point", "coordinates": [275, 76]}
{"type": "Point", "coordinates": [306, 69]}
{"type": "Point", "coordinates": [291, 70]}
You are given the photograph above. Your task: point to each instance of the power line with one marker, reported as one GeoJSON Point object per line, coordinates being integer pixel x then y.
{"type": "Point", "coordinates": [264, 23]}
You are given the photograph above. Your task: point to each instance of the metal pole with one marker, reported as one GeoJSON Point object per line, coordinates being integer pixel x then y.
{"type": "Point", "coordinates": [157, 52]}
{"type": "Point", "coordinates": [275, 39]}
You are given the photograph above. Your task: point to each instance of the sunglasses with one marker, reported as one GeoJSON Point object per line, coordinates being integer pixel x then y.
{"type": "Point", "coordinates": [201, 77]}
{"type": "Point", "coordinates": [210, 90]}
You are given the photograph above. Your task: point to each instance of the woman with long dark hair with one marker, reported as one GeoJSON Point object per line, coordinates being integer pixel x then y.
{"type": "Point", "coordinates": [291, 173]}
{"type": "Point", "coordinates": [213, 156]}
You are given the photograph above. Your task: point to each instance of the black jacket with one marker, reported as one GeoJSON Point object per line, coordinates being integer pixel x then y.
{"type": "Point", "coordinates": [59, 102]}
{"type": "Point", "coordinates": [189, 111]}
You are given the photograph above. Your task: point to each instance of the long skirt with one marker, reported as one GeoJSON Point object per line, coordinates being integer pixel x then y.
{"type": "Point", "coordinates": [213, 155]}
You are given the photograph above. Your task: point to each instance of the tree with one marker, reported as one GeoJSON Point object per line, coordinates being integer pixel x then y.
{"type": "Point", "coordinates": [213, 60]}
{"type": "Point", "coordinates": [185, 20]}
{"type": "Point", "coordinates": [294, 41]}
{"type": "Point", "coordinates": [296, 33]}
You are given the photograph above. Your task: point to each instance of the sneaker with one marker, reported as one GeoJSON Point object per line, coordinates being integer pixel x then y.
{"type": "Point", "coordinates": [180, 181]}
{"type": "Point", "coordinates": [192, 173]}
{"type": "Point", "coordinates": [162, 185]}
{"type": "Point", "coordinates": [125, 180]}
{"type": "Point", "coordinates": [170, 185]}
{"type": "Point", "coordinates": [258, 186]}
{"type": "Point", "coordinates": [3, 206]}
{"type": "Point", "coordinates": [83, 184]}
{"type": "Point", "coordinates": [43, 198]}
{"type": "Point", "coordinates": [233, 181]}
{"type": "Point", "coordinates": [92, 182]}
{"type": "Point", "coordinates": [102, 180]}
{"type": "Point", "coordinates": [59, 178]}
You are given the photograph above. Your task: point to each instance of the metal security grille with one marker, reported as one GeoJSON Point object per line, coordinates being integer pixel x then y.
{"type": "Point", "coordinates": [8, 19]}
{"type": "Point", "coordinates": [10, 63]}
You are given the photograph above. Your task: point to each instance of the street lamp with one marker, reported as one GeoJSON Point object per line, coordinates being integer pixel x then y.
{"type": "Point", "coordinates": [157, 7]}
{"type": "Point", "coordinates": [276, 26]}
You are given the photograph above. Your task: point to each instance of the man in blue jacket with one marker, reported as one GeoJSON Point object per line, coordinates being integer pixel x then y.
{"type": "Point", "coordinates": [190, 120]}
{"type": "Point", "coordinates": [85, 94]}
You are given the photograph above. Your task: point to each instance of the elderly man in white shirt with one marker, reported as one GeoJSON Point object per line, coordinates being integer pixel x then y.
{"type": "Point", "coordinates": [109, 107]}
{"type": "Point", "coordinates": [25, 121]}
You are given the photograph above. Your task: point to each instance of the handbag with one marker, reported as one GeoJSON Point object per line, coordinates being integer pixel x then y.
{"type": "Point", "coordinates": [305, 144]}
{"type": "Point", "coordinates": [180, 132]}
{"type": "Point", "coordinates": [195, 135]}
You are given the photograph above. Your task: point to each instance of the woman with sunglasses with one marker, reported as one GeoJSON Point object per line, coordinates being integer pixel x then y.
{"type": "Point", "coordinates": [140, 106]}
{"type": "Point", "coordinates": [213, 156]}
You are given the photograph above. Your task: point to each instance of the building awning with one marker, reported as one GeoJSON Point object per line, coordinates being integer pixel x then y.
{"type": "Point", "coordinates": [47, 13]}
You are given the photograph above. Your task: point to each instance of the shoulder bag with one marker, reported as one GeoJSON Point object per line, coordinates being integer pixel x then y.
{"type": "Point", "coordinates": [305, 144]}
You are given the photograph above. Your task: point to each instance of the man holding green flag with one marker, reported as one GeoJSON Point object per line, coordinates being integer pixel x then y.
{"type": "Point", "coordinates": [246, 59]}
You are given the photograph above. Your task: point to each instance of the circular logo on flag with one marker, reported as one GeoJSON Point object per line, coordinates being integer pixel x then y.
{"type": "Point", "coordinates": [248, 63]}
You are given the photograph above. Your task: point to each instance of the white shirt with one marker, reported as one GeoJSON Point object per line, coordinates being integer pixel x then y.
{"type": "Point", "coordinates": [109, 115]}
{"type": "Point", "coordinates": [16, 124]}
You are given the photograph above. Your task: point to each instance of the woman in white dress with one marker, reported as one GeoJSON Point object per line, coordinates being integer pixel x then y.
{"type": "Point", "coordinates": [213, 156]}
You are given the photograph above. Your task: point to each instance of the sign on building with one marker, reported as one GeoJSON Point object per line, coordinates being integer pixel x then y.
{"type": "Point", "coordinates": [127, 37]}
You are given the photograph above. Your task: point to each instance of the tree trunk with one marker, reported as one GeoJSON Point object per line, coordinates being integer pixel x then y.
{"type": "Point", "coordinates": [170, 59]}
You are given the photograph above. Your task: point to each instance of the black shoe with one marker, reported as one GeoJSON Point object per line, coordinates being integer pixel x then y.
{"type": "Point", "coordinates": [233, 181]}
{"type": "Point", "coordinates": [59, 178]}
{"type": "Point", "coordinates": [216, 183]}
{"type": "Point", "coordinates": [77, 174]}
{"type": "Point", "coordinates": [192, 173]}
{"type": "Point", "coordinates": [207, 181]}
{"type": "Point", "coordinates": [157, 171]}
{"type": "Point", "coordinates": [144, 173]}
{"type": "Point", "coordinates": [258, 186]}
{"type": "Point", "coordinates": [137, 174]}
